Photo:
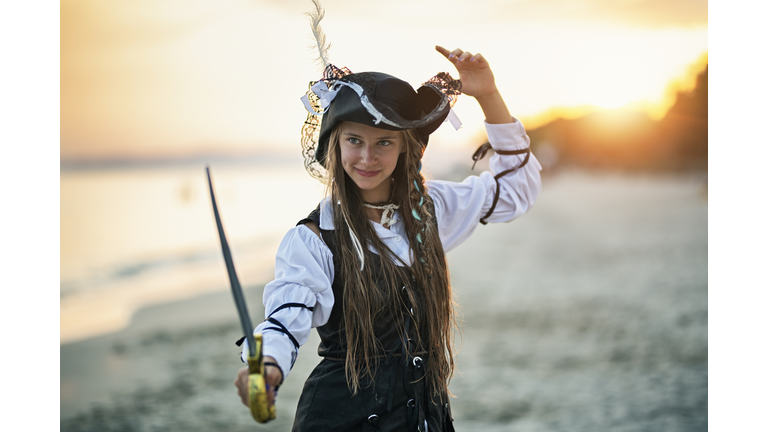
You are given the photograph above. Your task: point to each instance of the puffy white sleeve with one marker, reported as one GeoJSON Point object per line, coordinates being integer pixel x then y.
{"type": "Point", "coordinates": [460, 206]}
{"type": "Point", "coordinates": [303, 278]}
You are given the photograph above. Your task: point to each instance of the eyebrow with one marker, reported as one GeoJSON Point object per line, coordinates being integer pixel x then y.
{"type": "Point", "coordinates": [388, 137]}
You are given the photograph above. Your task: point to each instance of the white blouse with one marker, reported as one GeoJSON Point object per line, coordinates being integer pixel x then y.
{"type": "Point", "coordinates": [304, 264]}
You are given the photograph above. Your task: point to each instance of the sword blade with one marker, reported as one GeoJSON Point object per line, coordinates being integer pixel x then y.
{"type": "Point", "coordinates": [237, 292]}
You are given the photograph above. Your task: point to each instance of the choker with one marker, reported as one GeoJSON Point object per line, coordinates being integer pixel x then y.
{"type": "Point", "coordinates": [388, 214]}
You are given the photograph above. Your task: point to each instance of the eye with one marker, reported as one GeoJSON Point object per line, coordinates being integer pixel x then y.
{"type": "Point", "coordinates": [385, 143]}
{"type": "Point", "coordinates": [353, 140]}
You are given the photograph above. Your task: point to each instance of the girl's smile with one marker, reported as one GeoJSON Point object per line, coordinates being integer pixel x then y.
{"type": "Point", "coordinates": [369, 156]}
{"type": "Point", "coordinates": [367, 173]}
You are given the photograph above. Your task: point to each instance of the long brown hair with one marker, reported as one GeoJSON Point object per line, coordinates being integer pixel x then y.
{"type": "Point", "coordinates": [428, 291]}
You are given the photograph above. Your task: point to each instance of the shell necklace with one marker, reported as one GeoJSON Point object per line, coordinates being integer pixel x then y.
{"type": "Point", "coordinates": [387, 216]}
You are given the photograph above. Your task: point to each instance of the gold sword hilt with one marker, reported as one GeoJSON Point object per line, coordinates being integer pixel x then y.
{"type": "Point", "coordinates": [261, 410]}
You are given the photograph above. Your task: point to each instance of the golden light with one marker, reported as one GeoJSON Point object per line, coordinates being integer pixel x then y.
{"type": "Point", "coordinates": [654, 97]}
{"type": "Point", "coordinates": [142, 80]}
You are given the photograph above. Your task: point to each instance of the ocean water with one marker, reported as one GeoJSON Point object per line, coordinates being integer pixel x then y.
{"type": "Point", "coordinates": [132, 237]}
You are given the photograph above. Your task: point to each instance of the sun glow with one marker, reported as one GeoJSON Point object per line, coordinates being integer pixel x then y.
{"type": "Point", "coordinates": [610, 101]}
{"type": "Point", "coordinates": [613, 96]}
{"type": "Point", "coordinates": [683, 83]}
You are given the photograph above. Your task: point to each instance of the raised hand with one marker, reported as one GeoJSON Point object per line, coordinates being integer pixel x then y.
{"type": "Point", "coordinates": [477, 81]}
{"type": "Point", "coordinates": [474, 71]}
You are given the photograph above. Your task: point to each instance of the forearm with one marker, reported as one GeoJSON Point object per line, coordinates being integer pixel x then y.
{"type": "Point", "coordinates": [494, 108]}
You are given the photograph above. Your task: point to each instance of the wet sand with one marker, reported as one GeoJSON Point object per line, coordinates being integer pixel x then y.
{"type": "Point", "coordinates": [587, 314]}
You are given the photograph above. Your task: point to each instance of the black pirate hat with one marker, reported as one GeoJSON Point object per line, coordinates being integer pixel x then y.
{"type": "Point", "coordinates": [374, 99]}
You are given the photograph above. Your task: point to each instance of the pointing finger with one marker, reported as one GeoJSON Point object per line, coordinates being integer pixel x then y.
{"type": "Point", "coordinates": [442, 51]}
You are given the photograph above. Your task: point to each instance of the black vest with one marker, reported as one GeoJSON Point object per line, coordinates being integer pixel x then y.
{"type": "Point", "coordinates": [396, 399]}
{"type": "Point", "coordinates": [331, 336]}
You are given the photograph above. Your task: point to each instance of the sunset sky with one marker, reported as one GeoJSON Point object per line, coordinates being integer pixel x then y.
{"type": "Point", "coordinates": [164, 78]}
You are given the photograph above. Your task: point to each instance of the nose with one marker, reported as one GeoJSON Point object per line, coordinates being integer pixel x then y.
{"type": "Point", "coordinates": [368, 155]}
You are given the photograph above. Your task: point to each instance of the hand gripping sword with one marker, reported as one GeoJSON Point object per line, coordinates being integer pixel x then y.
{"type": "Point", "coordinates": [257, 390]}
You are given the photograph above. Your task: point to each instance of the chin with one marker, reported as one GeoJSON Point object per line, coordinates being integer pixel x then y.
{"type": "Point", "coordinates": [367, 186]}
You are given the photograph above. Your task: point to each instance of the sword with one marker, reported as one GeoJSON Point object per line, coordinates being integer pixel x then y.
{"type": "Point", "coordinates": [257, 391]}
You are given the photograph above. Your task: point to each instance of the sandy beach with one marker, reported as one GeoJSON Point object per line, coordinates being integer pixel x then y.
{"type": "Point", "coordinates": [588, 314]}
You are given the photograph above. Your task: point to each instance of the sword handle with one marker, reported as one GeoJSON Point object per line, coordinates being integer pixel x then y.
{"type": "Point", "coordinates": [261, 411]}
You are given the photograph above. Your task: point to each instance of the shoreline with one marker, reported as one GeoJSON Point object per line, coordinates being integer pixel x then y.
{"type": "Point", "coordinates": [92, 365]}
{"type": "Point", "coordinates": [97, 313]}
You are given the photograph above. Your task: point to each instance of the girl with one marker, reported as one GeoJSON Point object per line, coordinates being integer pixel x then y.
{"type": "Point", "coordinates": [367, 268]}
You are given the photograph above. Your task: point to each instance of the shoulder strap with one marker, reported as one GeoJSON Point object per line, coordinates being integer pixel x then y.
{"type": "Point", "coordinates": [313, 217]}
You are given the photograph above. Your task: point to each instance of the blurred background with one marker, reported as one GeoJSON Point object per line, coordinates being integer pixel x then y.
{"type": "Point", "coordinates": [595, 313]}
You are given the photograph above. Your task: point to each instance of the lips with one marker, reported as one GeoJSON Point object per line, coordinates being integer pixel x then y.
{"type": "Point", "coordinates": [367, 173]}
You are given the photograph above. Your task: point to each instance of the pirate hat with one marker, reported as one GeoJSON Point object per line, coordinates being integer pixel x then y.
{"type": "Point", "coordinates": [374, 99]}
